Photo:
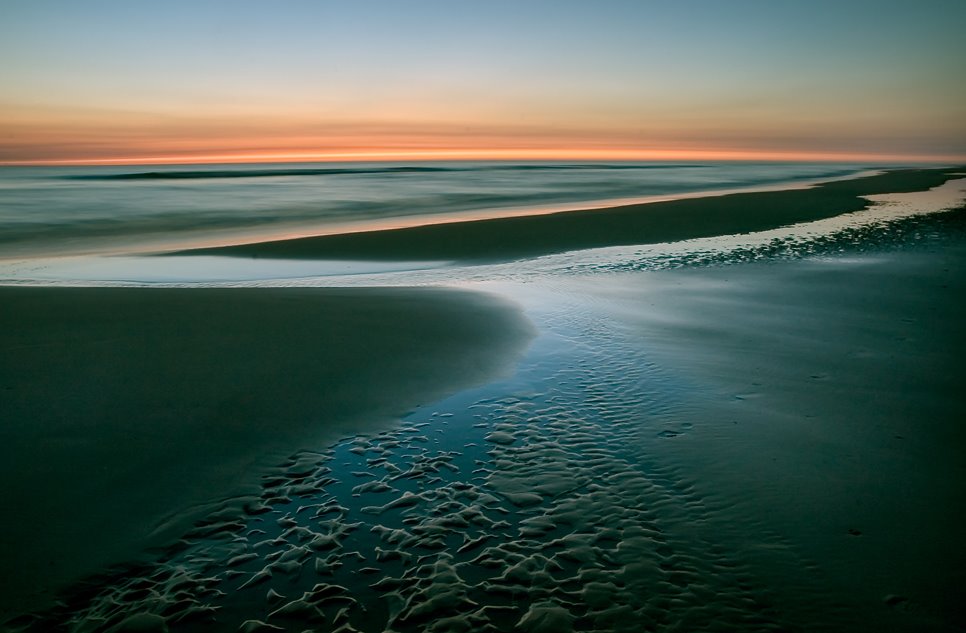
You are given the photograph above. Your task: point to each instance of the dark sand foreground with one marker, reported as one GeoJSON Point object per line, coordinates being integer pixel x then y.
{"type": "Point", "coordinates": [125, 411]}
{"type": "Point", "coordinates": [517, 237]}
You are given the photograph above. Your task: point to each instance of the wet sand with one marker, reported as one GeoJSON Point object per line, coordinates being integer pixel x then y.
{"type": "Point", "coordinates": [826, 424]}
{"type": "Point", "coordinates": [506, 239]}
{"type": "Point", "coordinates": [127, 412]}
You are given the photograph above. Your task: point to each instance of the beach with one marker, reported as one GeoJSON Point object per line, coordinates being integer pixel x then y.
{"type": "Point", "coordinates": [766, 438]}
{"type": "Point", "coordinates": [132, 412]}
{"type": "Point", "coordinates": [500, 317]}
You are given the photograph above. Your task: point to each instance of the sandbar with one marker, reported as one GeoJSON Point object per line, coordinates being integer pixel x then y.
{"type": "Point", "coordinates": [505, 239]}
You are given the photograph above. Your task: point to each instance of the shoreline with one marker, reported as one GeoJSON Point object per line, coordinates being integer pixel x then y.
{"type": "Point", "coordinates": [509, 238]}
{"type": "Point", "coordinates": [128, 411]}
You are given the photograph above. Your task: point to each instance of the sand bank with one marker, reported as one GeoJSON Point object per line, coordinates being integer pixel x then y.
{"type": "Point", "coordinates": [126, 410]}
{"type": "Point", "coordinates": [511, 238]}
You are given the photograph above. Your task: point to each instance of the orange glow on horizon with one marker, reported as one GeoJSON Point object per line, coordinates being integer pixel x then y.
{"type": "Point", "coordinates": [53, 136]}
{"type": "Point", "coordinates": [494, 154]}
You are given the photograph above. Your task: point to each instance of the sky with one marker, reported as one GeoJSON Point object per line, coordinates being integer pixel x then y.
{"type": "Point", "coordinates": [218, 81]}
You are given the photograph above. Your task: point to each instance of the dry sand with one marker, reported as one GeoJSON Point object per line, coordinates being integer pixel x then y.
{"type": "Point", "coordinates": [126, 410]}
{"type": "Point", "coordinates": [513, 238]}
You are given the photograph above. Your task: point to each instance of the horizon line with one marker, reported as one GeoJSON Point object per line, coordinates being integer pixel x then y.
{"type": "Point", "coordinates": [500, 154]}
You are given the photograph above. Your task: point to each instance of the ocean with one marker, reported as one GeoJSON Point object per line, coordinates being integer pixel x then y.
{"type": "Point", "coordinates": [91, 210]}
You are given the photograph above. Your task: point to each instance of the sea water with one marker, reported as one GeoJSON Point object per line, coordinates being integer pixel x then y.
{"type": "Point", "coordinates": [109, 209]}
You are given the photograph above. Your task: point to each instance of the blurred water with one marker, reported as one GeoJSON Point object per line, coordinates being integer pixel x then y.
{"type": "Point", "coordinates": [63, 210]}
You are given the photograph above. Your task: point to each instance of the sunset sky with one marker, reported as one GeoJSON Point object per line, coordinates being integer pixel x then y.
{"type": "Point", "coordinates": [128, 81]}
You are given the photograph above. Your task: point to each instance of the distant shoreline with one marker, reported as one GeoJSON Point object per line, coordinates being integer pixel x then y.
{"type": "Point", "coordinates": [509, 238]}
